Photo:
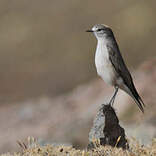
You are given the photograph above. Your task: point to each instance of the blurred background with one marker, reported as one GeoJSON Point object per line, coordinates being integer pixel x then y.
{"type": "Point", "coordinates": [49, 88]}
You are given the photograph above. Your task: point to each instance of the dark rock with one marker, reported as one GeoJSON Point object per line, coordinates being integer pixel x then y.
{"type": "Point", "coordinates": [106, 128]}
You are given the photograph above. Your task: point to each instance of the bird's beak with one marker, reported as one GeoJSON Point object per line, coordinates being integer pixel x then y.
{"type": "Point", "coordinates": [89, 31]}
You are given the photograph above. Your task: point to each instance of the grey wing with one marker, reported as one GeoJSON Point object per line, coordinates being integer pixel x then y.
{"type": "Point", "coordinates": [120, 67]}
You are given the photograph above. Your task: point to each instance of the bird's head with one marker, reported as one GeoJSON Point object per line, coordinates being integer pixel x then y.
{"type": "Point", "coordinates": [101, 31]}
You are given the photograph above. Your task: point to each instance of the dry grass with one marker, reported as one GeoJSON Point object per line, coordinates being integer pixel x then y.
{"type": "Point", "coordinates": [32, 148]}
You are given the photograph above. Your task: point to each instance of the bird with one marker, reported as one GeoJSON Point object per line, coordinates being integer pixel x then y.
{"type": "Point", "coordinates": [110, 65]}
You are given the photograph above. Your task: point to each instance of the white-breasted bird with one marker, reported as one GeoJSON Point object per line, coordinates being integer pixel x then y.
{"type": "Point", "coordinates": [110, 64]}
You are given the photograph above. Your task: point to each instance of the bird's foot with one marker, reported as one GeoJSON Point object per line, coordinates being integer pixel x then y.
{"type": "Point", "coordinates": [111, 102]}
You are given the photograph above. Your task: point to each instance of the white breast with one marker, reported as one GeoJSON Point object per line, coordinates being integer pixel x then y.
{"type": "Point", "coordinates": [103, 64]}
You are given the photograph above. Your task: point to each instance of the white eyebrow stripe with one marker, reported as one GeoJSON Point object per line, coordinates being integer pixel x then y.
{"type": "Point", "coordinates": [94, 28]}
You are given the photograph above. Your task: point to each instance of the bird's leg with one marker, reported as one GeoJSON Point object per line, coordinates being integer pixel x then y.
{"type": "Point", "coordinates": [113, 97]}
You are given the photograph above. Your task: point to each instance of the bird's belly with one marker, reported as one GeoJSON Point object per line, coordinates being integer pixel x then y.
{"type": "Point", "coordinates": [106, 71]}
{"type": "Point", "coordinates": [103, 64]}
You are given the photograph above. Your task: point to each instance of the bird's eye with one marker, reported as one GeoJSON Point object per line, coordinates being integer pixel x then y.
{"type": "Point", "coordinates": [99, 29]}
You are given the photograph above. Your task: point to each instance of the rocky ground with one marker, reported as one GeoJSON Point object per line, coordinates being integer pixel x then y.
{"type": "Point", "coordinates": [67, 119]}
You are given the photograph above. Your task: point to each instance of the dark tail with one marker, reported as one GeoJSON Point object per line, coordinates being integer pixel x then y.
{"type": "Point", "coordinates": [134, 94]}
{"type": "Point", "coordinates": [139, 102]}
